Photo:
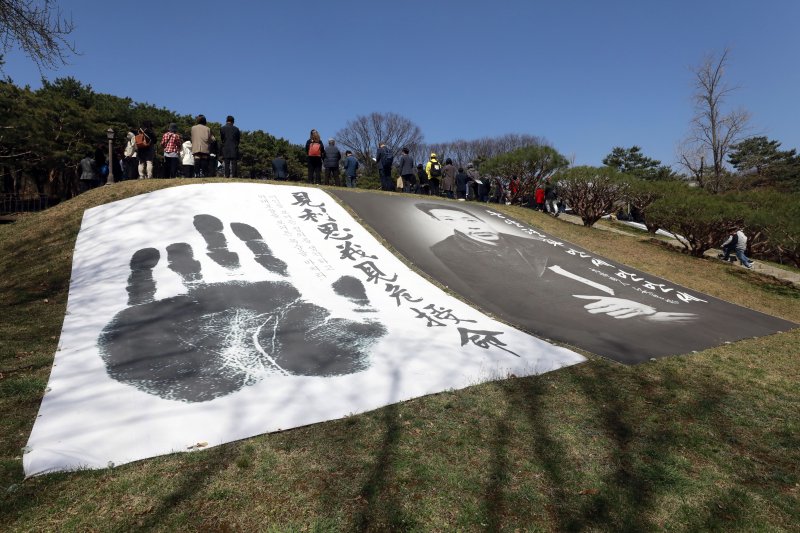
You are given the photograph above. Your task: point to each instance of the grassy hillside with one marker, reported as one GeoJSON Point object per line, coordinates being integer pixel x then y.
{"type": "Point", "coordinates": [704, 441]}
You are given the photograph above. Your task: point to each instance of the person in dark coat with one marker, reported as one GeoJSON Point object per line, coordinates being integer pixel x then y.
{"type": "Point", "coordinates": [350, 169]}
{"type": "Point", "coordinates": [88, 179]}
{"type": "Point", "coordinates": [550, 197]}
{"type": "Point", "coordinates": [422, 176]}
{"type": "Point", "coordinates": [230, 136]}
{"type": "Point", "coordinates": [461, 184]}
{"type": "Point", "coordinates": [280, 169]}
{"type": "Point", "coordinates": [406, 169]}
{"type": "Point", "coordinates": [384, 159]}
{"type": "Point", "coordinates": [331, 162]}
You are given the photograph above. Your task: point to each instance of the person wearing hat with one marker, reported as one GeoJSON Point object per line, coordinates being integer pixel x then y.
{"type": "Point", "coordinates": [434, 171]}
{"type": "Point", "coordinates": [171, 143]}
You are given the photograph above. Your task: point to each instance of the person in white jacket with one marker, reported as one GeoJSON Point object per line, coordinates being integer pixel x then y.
{"type": "Point", "coordinates": [741, 246]}
{"type": "Point", "coordinates": [187, 159]}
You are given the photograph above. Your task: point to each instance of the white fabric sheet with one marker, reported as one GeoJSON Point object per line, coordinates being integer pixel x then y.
{"type": "Point", "coordinates": [418, 339]}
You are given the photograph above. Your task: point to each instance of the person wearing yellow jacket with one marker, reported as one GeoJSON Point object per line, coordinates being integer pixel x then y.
{"type": "Point", "coordinates": [434, 171]}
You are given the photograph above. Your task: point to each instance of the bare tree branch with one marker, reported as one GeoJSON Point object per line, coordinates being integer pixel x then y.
{"type": "Point", "coordinates": [363, 134]}
{"type": "Point", "coordinates": [39, 29]}
{"type": "Point", "coordinates": [713, 132]}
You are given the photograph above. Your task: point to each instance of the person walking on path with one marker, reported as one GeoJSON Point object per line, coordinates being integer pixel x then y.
{"type": "Point", "coordinates": [201, 146]}
{"type": "Point", "coordinates": [171, 143]}
{"type": "Point", "coordinates": [316, 153]}
{"type": "Point", "coordinates": [230, 136]}
{"type": "Point", "coordinates": [332, 158]}
{"type": "Point", "coordinates": [738, 240]}
{"type": "Point", "coordinates": [384, 158]}
{"type": "Point", "coordinates": [350, 169]}
{"type": "Point", "coordinates": [146, 149]}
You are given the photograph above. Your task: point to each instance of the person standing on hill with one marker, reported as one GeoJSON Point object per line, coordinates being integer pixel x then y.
{"type": "Point", "coordinates": [146, 149]}
{"type": "Point", "coordinates": [280, 168]}
{"type": "Point", "coordinates": [434, 171]}
{"type": "Point", "coordinates": [230, 136]}
{"type": "Point", "coordinates": [550, 197]}
{"type": "Point", "coordinates": [187, 159]}
{"type": "Point", "coordinates": [129, 154]}
{"type": "Point", "coordinates": [332, 158]}
{"type": "Point", "coordinates": [475, 188]}
{"type": "Point", "coordinates": [422, 176]}
{"type": "Point", "coordinates": [88, 179]}
{"type": "Point", "coordinates": [406, 169]}
{"type": "Point", "coordinates": [201, 146]}
{"type": "Point", "coordinates": [448, 174]}
{"type": "Point", "coordinates": [462, 182]}
{"type": "Point", "coordinates": [350, 169]}
{"type": "Point", "coordinates": [316, 153]}
{"type": "Point", "coordinates": [171, 143]}
{"type": "Point", "coordinates": [539, 197]}
{"type": "Point", "coordinates": [384, 158]}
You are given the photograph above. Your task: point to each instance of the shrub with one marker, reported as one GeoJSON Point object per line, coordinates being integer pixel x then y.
{"type": "Point", "coordinates": [591, 192]}
{"type": "Point", "coordinates": [641, 193]}
{"type": "Point", "coordinates": [698, 219]}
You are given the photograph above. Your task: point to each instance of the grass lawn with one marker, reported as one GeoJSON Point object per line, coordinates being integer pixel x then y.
{"type": "Point", "coordinates": [706, 441]}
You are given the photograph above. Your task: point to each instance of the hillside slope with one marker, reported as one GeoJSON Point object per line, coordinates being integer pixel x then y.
{"type": "Point", "coordinates": [703, 441]}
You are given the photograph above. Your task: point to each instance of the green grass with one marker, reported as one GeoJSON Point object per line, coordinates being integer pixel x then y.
{"type": "Point", "coordinates": [709, 441]}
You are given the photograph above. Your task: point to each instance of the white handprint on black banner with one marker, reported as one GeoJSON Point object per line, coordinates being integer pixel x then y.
{"type": "Point", "coordinates": [219, 337]}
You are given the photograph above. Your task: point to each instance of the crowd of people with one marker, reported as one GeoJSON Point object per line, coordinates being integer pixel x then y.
{"type": "Point", "coordinates": [195, 155]}
{"type": "Point", "coordinates": [200, 154]}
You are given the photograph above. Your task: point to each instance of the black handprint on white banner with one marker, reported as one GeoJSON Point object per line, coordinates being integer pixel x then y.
{"type": "Point", "coordinates": [219, 337]}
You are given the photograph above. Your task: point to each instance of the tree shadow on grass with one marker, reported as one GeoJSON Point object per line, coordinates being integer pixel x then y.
{"type": "Point", "coordinates": [643, 451]}
{"type": "Point", "coordinates": [383, 511]}
{"type": "Point", "coordinates": [192, 482]}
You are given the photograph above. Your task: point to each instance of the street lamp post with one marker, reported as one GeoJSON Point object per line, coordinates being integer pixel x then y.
{"type": "Point", "coordinates": [110, 136]}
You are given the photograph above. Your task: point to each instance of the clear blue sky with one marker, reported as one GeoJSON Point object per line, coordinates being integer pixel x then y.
{"type": "Point", "coordinates": [587, 75]}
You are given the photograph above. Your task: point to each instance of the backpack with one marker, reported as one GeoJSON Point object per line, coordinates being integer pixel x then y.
{"type": "Point", "coordinates": [315, 149]}
{"type": "Point", "coordinates": [130, 148]}
{"type": "Point", "coordinates": [142, 140]}
{"type": "Point", "coordinates": [387, 160]}
{"type": "Point", "coordinates": [436, 169]}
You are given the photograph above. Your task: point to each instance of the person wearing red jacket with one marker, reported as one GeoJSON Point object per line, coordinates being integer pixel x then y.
{"type": "Point", "coordinates": [539, 197]}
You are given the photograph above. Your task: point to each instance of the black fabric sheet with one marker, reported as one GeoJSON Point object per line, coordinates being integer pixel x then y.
{"type": "Point", "coordinates": [550, 287]}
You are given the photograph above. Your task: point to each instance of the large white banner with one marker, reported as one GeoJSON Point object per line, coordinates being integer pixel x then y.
{"type": "Point", "coordinates": [207, 313]}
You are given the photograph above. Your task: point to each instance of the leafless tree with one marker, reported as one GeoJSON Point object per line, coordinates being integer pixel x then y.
{"type": "Point", "coordinates": [38, 28]}
{"type": "Point", "coordinates": [712, 130]}
{"type": "Point", "coordinates": [463, 151]}
{"type": "Point", "coordinates": [363, 134]}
